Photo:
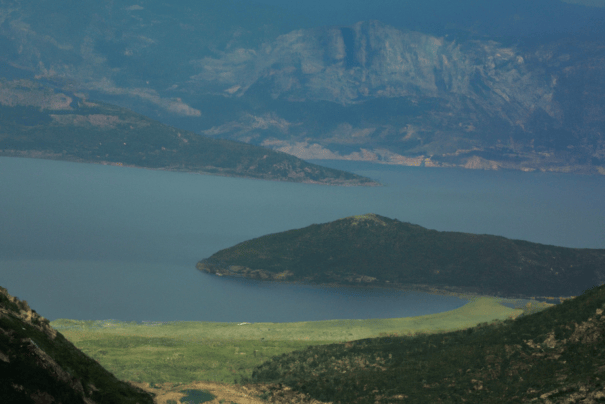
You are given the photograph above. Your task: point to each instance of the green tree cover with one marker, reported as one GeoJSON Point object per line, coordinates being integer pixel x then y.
{"type": "Point", "coordinates": [107, 134]}
{"type": "Point", "coordinates": [37, 364]}
{"type": "Point", "coordinates": [552, 356]}
{"type": "Point", "coordinates": [372, 249]}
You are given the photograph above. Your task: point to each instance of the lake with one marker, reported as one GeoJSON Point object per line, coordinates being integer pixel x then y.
{"type": "Point", "coordinates": [95, 242]}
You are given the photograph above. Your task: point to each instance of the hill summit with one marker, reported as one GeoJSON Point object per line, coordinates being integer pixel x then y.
{"type": "Point", "coordinates": [375, 250]}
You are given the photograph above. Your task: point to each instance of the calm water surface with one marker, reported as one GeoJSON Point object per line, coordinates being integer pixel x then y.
{"type": "Point", "coordinates": [99, 242]}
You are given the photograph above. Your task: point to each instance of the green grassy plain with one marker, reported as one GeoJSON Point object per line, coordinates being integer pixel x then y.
{"type": "Point", "coordinates": [183, 352]}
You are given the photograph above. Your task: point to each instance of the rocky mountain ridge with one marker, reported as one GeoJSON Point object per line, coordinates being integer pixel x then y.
{"type": "Point", "coordinates": [371, 60]}
{"type": "Point", "coordinates": [475, 104]}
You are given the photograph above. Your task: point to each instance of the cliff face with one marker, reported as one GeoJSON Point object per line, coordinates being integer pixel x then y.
{"type": "Point", "coordinates": [373, 60]}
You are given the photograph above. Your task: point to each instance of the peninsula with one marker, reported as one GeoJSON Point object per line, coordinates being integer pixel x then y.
{"type": "Point", "coordinates": [39, 122]}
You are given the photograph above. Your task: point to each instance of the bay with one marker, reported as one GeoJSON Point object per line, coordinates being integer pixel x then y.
{"type": "Point", "coordinates": [95, 242]}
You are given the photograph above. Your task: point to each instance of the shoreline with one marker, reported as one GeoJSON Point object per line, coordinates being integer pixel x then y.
{"type": "Point", "coordinates": [453, 291]}
{"type": "Point", "coordinates": [513, 303]}
{"type": "Point", "coordinates": [72, 159]}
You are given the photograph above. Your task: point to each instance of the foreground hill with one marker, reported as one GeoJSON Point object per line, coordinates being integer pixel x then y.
{"type": "Point", "coordinates": [375, 250]}
{"type": "Point", "coordinates": [554, 356]}
{"type": "Point", "coordinates": [38, 365]}
{"type": "Point", "coordinates": [36, 121]}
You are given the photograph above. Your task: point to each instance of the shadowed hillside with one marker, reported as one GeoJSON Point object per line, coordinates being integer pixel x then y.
{"type": "Point", "coordinates": [38, 365]}
{"type": "Point", "coordinates": [375, 250]}
{"type": "Point", "coordinates": [554, 356]}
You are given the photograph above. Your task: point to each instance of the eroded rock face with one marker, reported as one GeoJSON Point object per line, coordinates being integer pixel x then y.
{"type": "Point", "coordinates": [38, 365]}
{"type": "Point", "coordinates": [373, 60]}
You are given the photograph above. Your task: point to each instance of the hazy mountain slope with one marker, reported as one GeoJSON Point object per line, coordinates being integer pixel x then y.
{"type": "Point", "coordinates": [413, 98]}
{"type": "Point", "coordinates": [38, 365]}
{"type": "Point", "coordinates": [96, 43]}
{"type": "Point", "coordinates": [554, 356]}
{"type": "Point", "coordinates": [138, 52]}
{"type": "Point", "coordinates": [485, 85]}
{"type": "Point", "coordinates": [372, 60]}
{"type": "Point", "coordinates": [36, 121]}
{"type": "Point", "coordinates": [376, 250]}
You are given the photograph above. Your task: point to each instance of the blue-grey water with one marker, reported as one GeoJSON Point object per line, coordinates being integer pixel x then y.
{"type": "Point", "coordinates": [98, 242]}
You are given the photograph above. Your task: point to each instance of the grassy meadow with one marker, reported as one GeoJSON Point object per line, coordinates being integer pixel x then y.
{"type": "Point", "coordinates": [184, 352]}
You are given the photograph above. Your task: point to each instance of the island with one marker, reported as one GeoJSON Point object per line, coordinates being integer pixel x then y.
{"type": "Point", "coordinates": [373, 250]}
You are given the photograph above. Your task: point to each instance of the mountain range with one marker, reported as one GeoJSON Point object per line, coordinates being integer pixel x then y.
{"type": "Point", "coordinates": [523, 93]}
{"type": "Point", "coordinates": [373, 92]}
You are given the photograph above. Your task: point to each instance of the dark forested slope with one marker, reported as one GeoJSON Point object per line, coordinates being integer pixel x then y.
{"type": "Point", "coordinates": [38, 365]}
{"type": "Point", "coordinates": [376, 250]}
{"type": "Point", "coordinates": [554, 356]}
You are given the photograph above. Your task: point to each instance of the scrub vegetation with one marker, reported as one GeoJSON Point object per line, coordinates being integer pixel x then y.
{"type": "Point", "coordinates": [554, 356]}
